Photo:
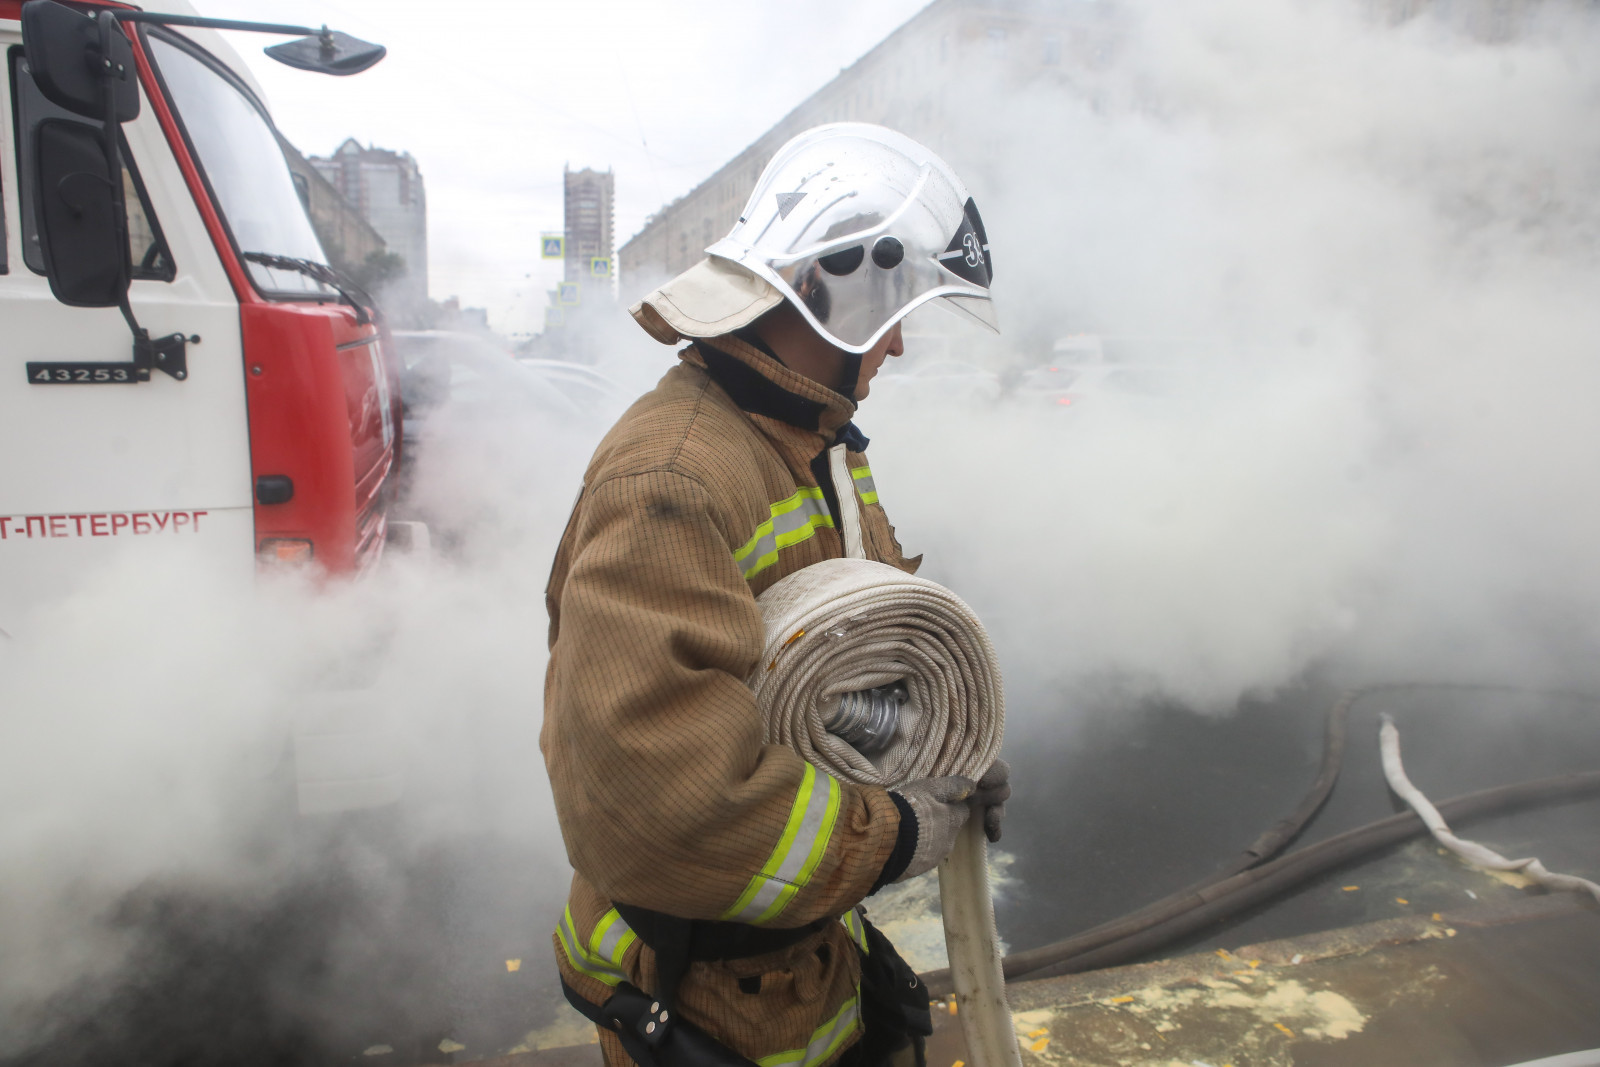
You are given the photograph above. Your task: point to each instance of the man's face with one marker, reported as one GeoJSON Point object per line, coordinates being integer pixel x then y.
{"type": "Point", "coordinates": [891, 344]}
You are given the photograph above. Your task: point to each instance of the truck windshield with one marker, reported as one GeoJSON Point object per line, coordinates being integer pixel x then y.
{"type": "Point", "coordinates": [239, 152]}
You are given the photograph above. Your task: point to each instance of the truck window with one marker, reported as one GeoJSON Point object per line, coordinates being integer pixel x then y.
{"type": "Point", "coordinates": [237, 149]}
{"type": "Point", "coordinates": [146, 247]}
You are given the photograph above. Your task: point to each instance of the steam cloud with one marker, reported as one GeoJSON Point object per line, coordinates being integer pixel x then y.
{"type": "Point", "coordinates": [1361, 260]}
{"type": "Point", "coordinates": [1370, 253]}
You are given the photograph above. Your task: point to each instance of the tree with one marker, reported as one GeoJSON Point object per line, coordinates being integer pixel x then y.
{"type": "Point", "coordinates": [379, 269]}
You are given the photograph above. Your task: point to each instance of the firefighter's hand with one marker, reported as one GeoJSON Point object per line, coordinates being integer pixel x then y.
{"type": "Point", "coordinates": [941, 806]}
{"type": "Point", "coordinates": [989, 800]}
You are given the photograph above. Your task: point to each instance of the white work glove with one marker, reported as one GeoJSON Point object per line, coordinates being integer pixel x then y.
{"type": "Point", "coordinates": [989, 801]}
{"type": "Point", "coordinates": [941, 808]}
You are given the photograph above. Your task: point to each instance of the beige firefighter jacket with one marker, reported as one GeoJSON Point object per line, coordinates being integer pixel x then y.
{"type": "Point", "coordinates": [701, 497]}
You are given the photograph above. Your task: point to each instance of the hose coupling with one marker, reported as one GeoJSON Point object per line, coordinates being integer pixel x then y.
{"type": "Point", "coordinates": [868, 719]}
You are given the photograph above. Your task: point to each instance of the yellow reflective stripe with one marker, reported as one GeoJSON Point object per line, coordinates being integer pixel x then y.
{"type": "Point", "coordinates": [592, 963]}
{"type": "Point", "coordinates": [858, 933]}
{"type": "Point", "coordinates": [825, 1039]}
{"type": "Point", "coordinates": [611, 938]}
{"type": "Point", "coordinates": [868, 488]}
{"type": "Point", "coordinates": [797, 854]}
{"type": "Point", "coordinates": [789, 522]}
{"type": "Point", "coordinates": [819, 843]}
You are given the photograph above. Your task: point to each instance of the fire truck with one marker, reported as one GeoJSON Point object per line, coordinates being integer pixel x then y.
{"type": "Point", "coordinates": [179, 364]}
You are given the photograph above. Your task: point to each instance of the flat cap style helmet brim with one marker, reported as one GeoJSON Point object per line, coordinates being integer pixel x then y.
{"type": "Point", "coordinates": [714, 297]}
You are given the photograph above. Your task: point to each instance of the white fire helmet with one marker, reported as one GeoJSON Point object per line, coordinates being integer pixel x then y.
{"type": "Point", "coordinates": [855, 225]}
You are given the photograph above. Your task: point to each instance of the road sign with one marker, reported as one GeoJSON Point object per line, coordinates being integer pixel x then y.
{"type": "Point", "coordinates": [570, 294]}
{"type": "Point", "coordinates": [600, 267]}
{"type": "Point", "coordinates": [554, 316]}
{"type": "Point", "coordinates": [552, 246]}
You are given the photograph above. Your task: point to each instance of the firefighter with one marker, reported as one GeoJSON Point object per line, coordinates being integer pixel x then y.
{"type": "Point", "coordinates": [712, 916]}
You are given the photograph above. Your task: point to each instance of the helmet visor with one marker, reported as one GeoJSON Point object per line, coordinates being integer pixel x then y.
{"type": "Point", "coordinates": [859, 226]}
{"type": "Point", "coordinates": [976, 309]}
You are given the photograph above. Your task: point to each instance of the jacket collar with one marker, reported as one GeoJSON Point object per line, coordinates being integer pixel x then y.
{"type": "Point", "coordinates": [761, 385]}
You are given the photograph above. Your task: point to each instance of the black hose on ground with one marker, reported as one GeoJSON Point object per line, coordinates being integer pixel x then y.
{"type": "Point", "coordinates": [1285, 830]}
{"type": "Point", "coordinates": [1269, 880]}
{"type": "Point", "coordinates": [1161, 921]}
{"type": "Point", "coordinates": [1267, 845]}
{"type": "Point", "coordinates": [1271, 841]}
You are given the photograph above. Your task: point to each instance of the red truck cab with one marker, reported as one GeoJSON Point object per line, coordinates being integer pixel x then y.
{"type": "Point", "coordinates": [227, 398]}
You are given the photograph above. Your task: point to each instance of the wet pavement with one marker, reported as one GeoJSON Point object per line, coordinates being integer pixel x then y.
{"type": "Point", "coordinates": [1485, 986]}
{"type": "Point", "coordinates": [1119, 808]}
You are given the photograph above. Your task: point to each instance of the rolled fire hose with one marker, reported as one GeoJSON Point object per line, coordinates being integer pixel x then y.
{"type": "Point", "coordinates": [845, 626]}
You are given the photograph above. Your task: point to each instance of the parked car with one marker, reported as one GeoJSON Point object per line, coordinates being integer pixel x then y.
{"type": "Point", "coordinates": [1067, 385]}
{"type": "Point", "coordinates": [467, 370]}
{"type": "Point", "coordinates": [485, 433]}
{"type": "Point", "coordinates": [945, 380]}
{"type": "Point", "coordinates": [1084, 366]}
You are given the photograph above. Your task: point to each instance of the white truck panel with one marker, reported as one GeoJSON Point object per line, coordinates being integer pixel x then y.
{"type": "Point", "coordinates": [158, 448]}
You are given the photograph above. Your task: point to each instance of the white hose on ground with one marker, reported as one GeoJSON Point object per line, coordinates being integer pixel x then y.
{"type": "Point", "coordinates": [1471, 851]}
{"type": "Point", "coordinates": [845, 625]}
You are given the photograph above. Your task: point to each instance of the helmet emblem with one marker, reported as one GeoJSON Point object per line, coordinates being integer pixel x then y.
{"type": "Point", "coordinates": [974, 256]}
{"type": "Point", "coordinates": [788, 201]}
{"type": "Point", "coordinates": [967, 256]}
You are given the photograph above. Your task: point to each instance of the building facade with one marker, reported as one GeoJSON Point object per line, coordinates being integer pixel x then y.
{"type": "Point", "coordinates": [347, 237]}
{"type": "Point", "coordinates": [387, 188]}
{"type": "Point", "coordinates": [588, 201]}
{"type": "Point", "coordinates": [1490, 21]}
{"type": "Point", "coordinates": [914, 81]}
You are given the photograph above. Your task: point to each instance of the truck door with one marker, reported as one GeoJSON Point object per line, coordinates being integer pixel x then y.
{"type": "Point", "coordinates": [96, 470]}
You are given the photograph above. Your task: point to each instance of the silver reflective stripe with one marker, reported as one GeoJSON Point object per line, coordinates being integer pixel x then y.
{"type": "Point", "coordinates": [611, 937]}
{"type": "Point", "coordinates": [825, 1040]}
{"type": "Point", "coordinates": [865, 485]}
{"type": "Point", "coordinates": [811, 512]}
{"type": "Point", "coordinates": [605, 968]}
{"type": "Point", "coordinates": [790, 521]}
{"type": "Point", "coordinates": [766, 895]}
{"type": "Point", "coordinates": [858, 933]}
{"type": "Point", "coordinates": [797, 854]}
{"type": "Point", "coordinates": [814, 825]}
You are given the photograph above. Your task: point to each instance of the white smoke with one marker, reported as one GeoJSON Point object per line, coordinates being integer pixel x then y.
{"type": "Point", "coordinates": [145, 765]}
{"type": "Point", "coordinates": [1368, 253]}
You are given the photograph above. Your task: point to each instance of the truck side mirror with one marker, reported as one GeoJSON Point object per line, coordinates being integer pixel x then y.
{"type": "Point", "coordinates": [64, 52]}
{"type": "Point", "coordinates": [79, 202]}
{"type": "Point", "coordinates": [328, 52]}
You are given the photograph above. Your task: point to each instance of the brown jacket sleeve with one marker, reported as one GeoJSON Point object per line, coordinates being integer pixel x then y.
{"type": "Point", "coordinates": [666, 795]}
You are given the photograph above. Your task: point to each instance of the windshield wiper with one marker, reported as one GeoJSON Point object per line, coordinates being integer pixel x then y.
{"type": "Point", "coordinates": [336, 280]}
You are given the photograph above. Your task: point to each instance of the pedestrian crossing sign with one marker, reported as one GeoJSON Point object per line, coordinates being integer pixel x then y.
{"type": "Point", "coordinates": [569, 294]}
{"type": "Point", "coordinates": [554, 316]}
{"type": "Point", "coordinates": [600, 267]}
{"type": "Point", "coordinates": [552, 246]}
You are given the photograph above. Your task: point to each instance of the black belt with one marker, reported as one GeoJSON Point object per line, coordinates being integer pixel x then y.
{"type": "Point", "coordinates": [894, 1005]}
{"type": "Point", "coordinates": [709, 939]}
{"type": "Point", "coordinates": [678, 942]}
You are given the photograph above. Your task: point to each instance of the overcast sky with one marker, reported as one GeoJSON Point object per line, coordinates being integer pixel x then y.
{"type": "Point", "coordinates": [493, 98]}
